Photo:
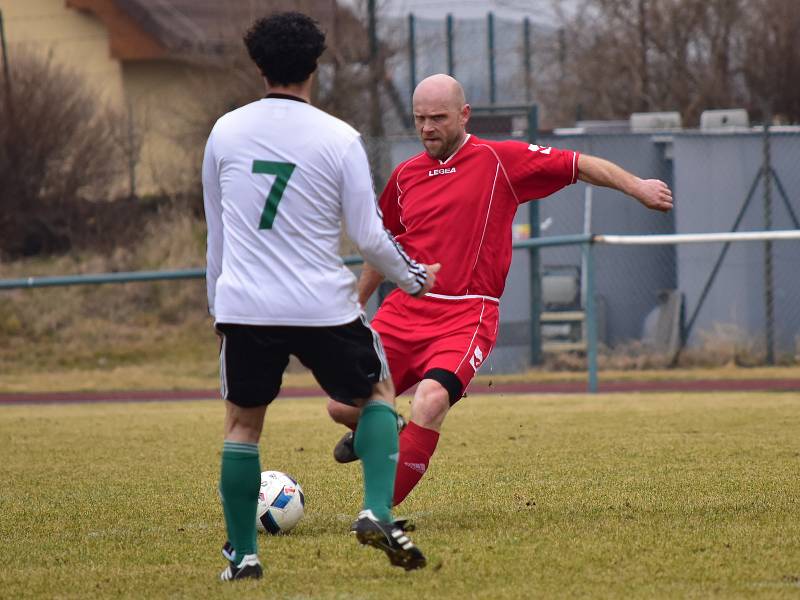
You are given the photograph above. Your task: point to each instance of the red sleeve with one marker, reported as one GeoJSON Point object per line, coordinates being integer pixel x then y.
{"type": "Point", "coordinates": [390, 207]}
{"type": "Point", "coordinates": [537, 171]}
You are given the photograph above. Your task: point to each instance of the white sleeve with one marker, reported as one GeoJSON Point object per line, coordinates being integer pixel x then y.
{"type": "Point", "coordinates": [212, 203]}
{"type": "Point", "coordinates": [364, 224]}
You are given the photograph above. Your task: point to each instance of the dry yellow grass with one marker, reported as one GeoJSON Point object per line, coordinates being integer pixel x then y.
{"type": "Point", "coordinates": [612, 496]}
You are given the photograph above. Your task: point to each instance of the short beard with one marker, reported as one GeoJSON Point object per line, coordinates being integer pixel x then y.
{"type": "Point", "coordinates": [447, 150]}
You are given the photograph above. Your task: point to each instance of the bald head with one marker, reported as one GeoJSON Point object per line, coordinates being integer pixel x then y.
{"type": "Point", "coordinates": [440, 115]}
{"type": "Point", "coordinates": [440, 89]}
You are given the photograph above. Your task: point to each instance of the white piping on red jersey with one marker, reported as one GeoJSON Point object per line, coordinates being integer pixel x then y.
{"type": "Point", "coordinates": [464, 143]}
{"type": "Point", "coordinates": [486, 220]}
{"type": "Point", "coordinates": [464, 297]}
{"type": "Point", "coordinates": [502, 166]}
{"type": "Point", "coordinates": [574, 161]}
{"type": "Point", "coordinates": [400, 191]}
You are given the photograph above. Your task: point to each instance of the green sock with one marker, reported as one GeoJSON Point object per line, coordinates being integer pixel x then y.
{"type": "Point", "coordinates": [239, 483]}
{"type": "Point", "coordinates": [377, 446]}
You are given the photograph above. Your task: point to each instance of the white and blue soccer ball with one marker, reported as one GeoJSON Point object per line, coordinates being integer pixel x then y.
{"type": "Point", "coordinates": [281, 503]}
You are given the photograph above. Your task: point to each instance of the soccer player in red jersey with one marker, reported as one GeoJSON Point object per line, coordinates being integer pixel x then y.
{"type": "Point", "coordinates": [456, 202]}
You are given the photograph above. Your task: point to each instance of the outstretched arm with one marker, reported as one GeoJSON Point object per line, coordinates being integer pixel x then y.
{"type": "Point", "coordinates": [369, 281]}
{"type": "Point", "coordinates": [652, 193]}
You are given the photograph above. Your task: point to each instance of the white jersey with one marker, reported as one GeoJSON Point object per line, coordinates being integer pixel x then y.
{"type": "Point", "coordinates": [279, 178]}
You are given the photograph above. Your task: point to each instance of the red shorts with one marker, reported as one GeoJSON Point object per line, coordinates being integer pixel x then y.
{"type": "Point", "coordinates": [426, 333]}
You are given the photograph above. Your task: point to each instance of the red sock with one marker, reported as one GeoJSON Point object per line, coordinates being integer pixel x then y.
{"type": "Point", "coordinates": [417, 445]}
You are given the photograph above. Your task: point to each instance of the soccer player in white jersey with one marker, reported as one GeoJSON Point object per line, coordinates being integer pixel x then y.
{"type": "Point", "coordinates": [280, 177]}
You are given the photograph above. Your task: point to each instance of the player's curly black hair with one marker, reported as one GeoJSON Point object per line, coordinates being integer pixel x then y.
{"type": "Point", "coordinates": [285, 46]}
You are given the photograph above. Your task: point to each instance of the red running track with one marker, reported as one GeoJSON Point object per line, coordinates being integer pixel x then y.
{"type": "Point", "coordinates": [700, 385]}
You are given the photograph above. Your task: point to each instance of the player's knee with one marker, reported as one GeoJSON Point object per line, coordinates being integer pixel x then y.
{"type": "Point", "coordinates": [338, 411]}
{"type": "Point", "coordinates": [430, 405]}
{"type": "Point", "coordinates": [243, 424]}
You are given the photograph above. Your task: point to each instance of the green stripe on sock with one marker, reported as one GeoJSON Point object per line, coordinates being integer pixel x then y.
{"type": "Point", "coordinates": [240, 447]}
{"type": "Point", "coordinates": [239, 483]}
{"type": "Point", "coordinates": [377, 446]}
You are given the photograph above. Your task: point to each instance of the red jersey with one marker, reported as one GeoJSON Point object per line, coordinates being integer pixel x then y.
{"type": "Point", "coordinates": [459, 211]}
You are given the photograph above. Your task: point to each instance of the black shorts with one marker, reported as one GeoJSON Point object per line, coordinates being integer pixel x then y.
{"type": "Point", "coordinates": [346, 360]}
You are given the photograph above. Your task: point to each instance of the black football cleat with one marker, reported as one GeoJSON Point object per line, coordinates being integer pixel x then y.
{"type": "Point", "coordinates": [390, 538]}
{"type": "Point", "coordinates": [404, 524]}
{"type": "Point", "coordinates": [248, 568]}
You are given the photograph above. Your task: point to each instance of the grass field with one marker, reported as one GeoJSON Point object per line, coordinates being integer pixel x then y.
{"type": "Point", "coordinates": [659, 496]}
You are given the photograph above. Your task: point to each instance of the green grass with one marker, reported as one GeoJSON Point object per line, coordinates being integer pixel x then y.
{"type": "Point", "coordinates": [658, 496]}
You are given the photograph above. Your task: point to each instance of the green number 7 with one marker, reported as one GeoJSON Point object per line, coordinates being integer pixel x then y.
{"type": "Point", "coordinates": [282, 171]}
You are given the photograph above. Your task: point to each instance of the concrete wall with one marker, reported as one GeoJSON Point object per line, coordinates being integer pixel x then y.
{"type": "Point", "coordinates": [713, 174]}
{"type": "Point", "coordinates": [627, 280]}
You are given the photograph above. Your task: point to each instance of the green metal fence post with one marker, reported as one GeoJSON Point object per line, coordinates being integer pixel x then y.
{"type": "Point", "coordinates": [591, 317]}
{"type": "Point", "coordinates": [451, 67]}
{"type": "Point", "coordinates": [526, 45]}
{"type": "Point", "coordinates": [492, 74]}
{"type": "Point", "coordinates": [535, 274]}
{"type": "Point", "coordinates": [769, 305]}
{"type": "Point", "coordinates": [412, 55]}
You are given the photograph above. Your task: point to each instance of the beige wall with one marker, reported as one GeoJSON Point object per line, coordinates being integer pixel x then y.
{"type": "Point", "coordinates": [167, 100]}
{"type": "Point", "coordinates": [76, 39]}
{"type": "Point", "coordinates": [163, 96]}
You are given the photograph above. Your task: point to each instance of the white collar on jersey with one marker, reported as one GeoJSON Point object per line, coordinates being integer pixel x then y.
{"type": "Point", "coordinates": [446, 160]}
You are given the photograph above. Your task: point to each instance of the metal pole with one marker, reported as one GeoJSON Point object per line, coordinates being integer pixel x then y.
{"type": "Point", "coordinates": [587, 293]}
{"type": "Point", "coordinates": [132, 151]}
{"type": "Point", "coordinates": [644, 104]}
{"type": "Point", "coordinates": [526, 49]}
{"type": "Point", "coordinates": [768, 286]}
{"type": "Point", "coordinates": [373, 30]}
{"type": "Point", "coordinates": [6, 69]}
{"type": "Point", "coordinates": [591, 317]}
{"type": "Point", "coordinates": [535, 275]}
{"type": "Point", "coordinates": [412, 55]}
{"type": "Point", "coordinates": [375, 143]}
{"type": "Point", "coordinates": [490, 36]}
{"type": "Point", "coordinates": [373, 66]}
{"type": "Point", "coordinates": [451, 68]}
{"type": "Point", "coordinates": [587, 230]}
{"type": "Point", "coordinates": [534, 269]}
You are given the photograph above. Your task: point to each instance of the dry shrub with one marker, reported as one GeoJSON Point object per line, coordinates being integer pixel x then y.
{"type": "Point", "coordinates": [629, 355]}
{"type": "Point", "coordinates": [57, 150]}
{"type": "Point", "coordinates": [725, 344]}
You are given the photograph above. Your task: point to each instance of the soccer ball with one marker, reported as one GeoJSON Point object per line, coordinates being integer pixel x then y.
{"type": "Point", "coordinates": [280, 503]}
